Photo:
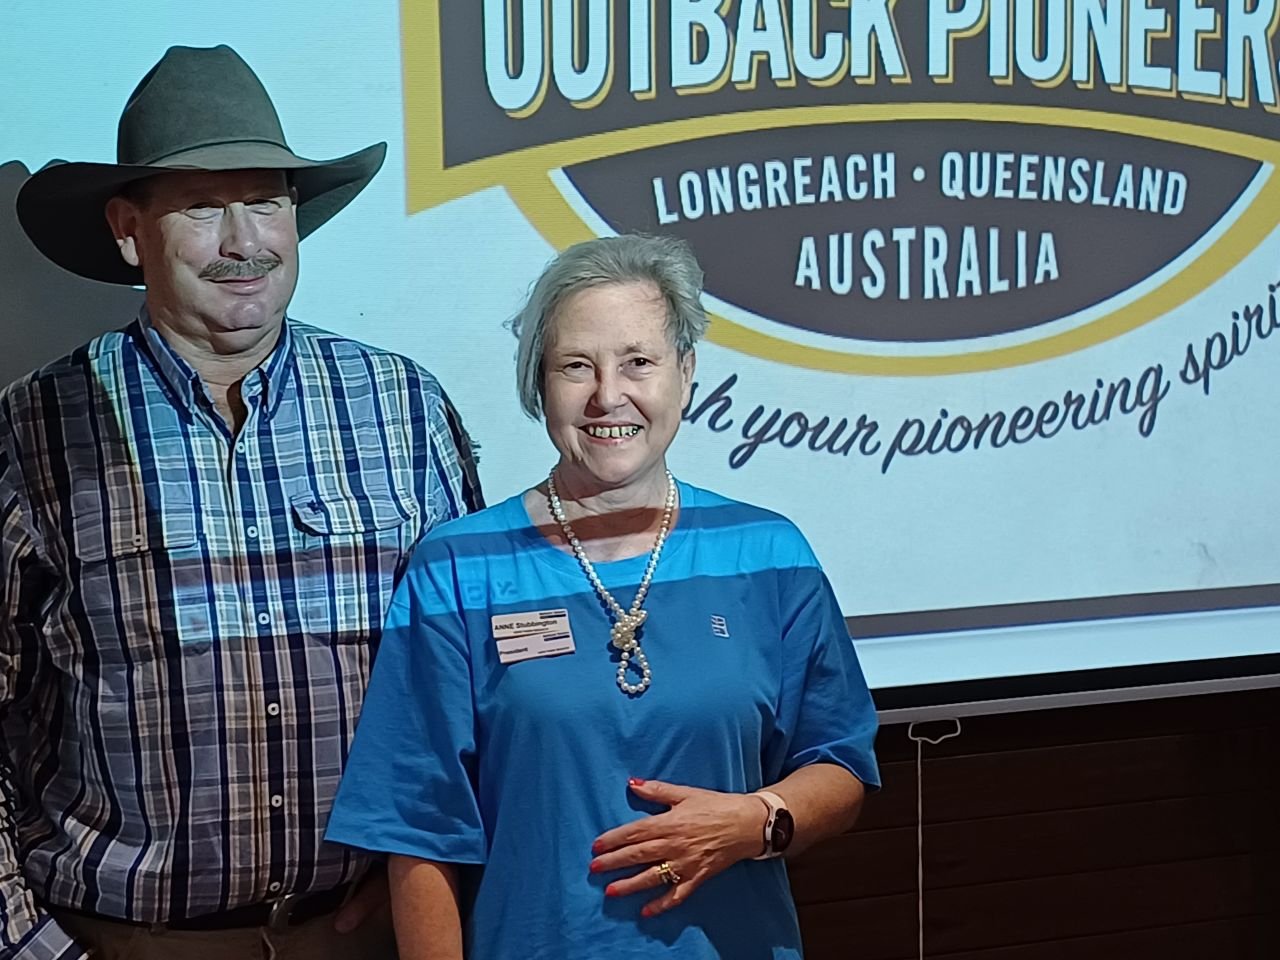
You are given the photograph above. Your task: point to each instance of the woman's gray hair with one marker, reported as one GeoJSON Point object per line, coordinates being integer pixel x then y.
{"type": "Point", "coordinates": [666, 262]}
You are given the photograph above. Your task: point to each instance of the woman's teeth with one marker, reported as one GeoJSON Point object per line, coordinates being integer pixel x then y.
{"type": "Point", "coordinates": [612, 433]}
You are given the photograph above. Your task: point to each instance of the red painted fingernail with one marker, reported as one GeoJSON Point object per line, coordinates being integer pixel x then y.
{"type": "Point", "coordinates": [635, 782]}
{"type": "Point", "coordinates": [609, 891]}
{"type": "Point", "coordinates": [595, 866]}
{"type": "Point", "coordinates": [646, 912]}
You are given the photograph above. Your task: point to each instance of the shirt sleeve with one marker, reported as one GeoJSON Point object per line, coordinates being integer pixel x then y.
{"type": "Point", "coordinates": [410, 785]}
{"type": "Point", "coordinates": [455, 479]}
{"type": "Point", "coordinates": [825, 711]}
{"type": "Point", "coordinates": [468, 457]}
{"type": "Point", "coordinates": [26, 932]}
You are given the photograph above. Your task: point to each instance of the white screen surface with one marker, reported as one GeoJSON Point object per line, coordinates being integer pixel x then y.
{"type": "Point", "coordinates": [1093, 548]}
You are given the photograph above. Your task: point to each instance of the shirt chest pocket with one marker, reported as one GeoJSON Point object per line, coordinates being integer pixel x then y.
{"type": "Point", "coordinates": [136, 584]}
{"type": "Point", "coordinates": [348, 555]}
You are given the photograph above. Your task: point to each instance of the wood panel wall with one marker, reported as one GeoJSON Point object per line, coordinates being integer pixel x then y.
{"type": "Point", "coordinates": [1125, 831]}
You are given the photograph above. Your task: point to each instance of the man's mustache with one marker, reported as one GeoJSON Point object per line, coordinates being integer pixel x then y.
{"type": "Point", "coordinates": [249, 269]}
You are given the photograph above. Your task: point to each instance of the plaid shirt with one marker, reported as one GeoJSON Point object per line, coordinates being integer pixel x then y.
{"type": "Point", "coordinates": [187, 618]}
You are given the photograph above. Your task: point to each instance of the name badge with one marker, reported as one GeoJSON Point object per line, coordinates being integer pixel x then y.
{"type": "Point", "coordinates": [528, 636]}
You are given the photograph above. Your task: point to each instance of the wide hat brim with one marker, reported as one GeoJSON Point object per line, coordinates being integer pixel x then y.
{"type": "Point", "coordinates": [62, 207]}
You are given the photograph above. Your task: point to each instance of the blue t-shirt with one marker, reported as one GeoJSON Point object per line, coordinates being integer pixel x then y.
{"type": "Point", "coordinates": [462, 759]}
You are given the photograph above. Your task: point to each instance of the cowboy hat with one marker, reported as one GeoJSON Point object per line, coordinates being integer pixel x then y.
{"type": "Point", "coordinates": [198, 109]}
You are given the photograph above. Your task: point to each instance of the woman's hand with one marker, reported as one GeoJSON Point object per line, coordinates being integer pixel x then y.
{"type": "Point", "coordinates": [703, 833]}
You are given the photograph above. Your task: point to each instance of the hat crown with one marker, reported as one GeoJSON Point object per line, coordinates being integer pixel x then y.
{"type": "Point", "coordinates": [195, 96]}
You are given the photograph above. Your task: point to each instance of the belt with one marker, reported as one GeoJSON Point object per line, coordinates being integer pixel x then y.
{"type": "Point", "coordinates": [275, 914]}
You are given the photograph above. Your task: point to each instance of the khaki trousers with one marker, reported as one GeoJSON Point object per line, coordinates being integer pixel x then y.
{"type": "Point", "coordinates": [313, 940]}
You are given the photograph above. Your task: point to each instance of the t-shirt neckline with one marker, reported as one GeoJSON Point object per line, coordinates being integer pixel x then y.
{"type": "Point", "coordinates": [547, 553]}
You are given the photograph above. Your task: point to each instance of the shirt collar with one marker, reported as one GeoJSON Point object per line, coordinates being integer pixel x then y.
{"type": "Point", "coordinates": [175, 372]}
{"type": "Point", "coordinates": [276, 371]}
{"type": "Point", "coordinates": [270, 378]}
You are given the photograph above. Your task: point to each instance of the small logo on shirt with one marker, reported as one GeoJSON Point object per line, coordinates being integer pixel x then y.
{"type": "Point", "coordinates": [719, 627]}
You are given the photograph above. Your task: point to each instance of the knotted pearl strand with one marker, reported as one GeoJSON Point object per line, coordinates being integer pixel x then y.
{"type": "Point", "coordinates": [626, 622]}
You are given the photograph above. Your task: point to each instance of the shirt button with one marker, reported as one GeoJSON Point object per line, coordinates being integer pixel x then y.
{"type": "Point", "coordinates": [240, 447]}
{"type": "Point", "coordinates": [252, 532]}
{"type": "Point", "coordinates": [277, 801]}
{"type": "Point", "coordinates": [275, 886]}
{"type": "Point", "coordinates": [264, 618]}
{"type": "Point", "coordinates": [273, 709]}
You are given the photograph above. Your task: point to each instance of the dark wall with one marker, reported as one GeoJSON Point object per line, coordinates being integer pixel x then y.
{"type": "Point", "coordinates": [1117, 832]}
{"type": "Point", "coordinates": [44, 310]}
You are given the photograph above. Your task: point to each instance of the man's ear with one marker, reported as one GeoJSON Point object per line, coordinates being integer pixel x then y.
{"type": "Point", "coordinates": [124, 218]}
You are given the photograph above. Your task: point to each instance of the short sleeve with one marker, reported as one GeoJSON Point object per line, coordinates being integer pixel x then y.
{"type": "Point", "coordinates": [410, 782]}
{"type": "Point", "coordinates": [825, 711]}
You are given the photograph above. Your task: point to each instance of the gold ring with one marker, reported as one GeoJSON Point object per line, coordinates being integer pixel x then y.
{"type": "Point", "coordinates": [668, 873]}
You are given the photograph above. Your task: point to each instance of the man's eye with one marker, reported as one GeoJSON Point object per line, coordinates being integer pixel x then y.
{"type": "Point", "coordinates": [203, 211]}
{"type": "Point", "coordinates": [641, 362]}
{"type": "Point", "coordinates": [265, 205]}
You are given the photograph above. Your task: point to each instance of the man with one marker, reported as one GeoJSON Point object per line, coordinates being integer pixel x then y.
{"type": "Point", "coordinates": [202, 518]}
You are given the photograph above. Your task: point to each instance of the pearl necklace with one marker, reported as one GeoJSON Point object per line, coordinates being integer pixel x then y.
{"type": "Point", "coordinates": [625, 622]}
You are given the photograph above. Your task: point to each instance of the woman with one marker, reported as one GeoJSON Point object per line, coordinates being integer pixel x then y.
{"type": "Point", "coordinates": [623, 695]}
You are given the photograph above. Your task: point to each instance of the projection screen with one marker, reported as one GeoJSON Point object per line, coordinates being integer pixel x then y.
{"type": "Point", "coordinates": [993, 283]}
